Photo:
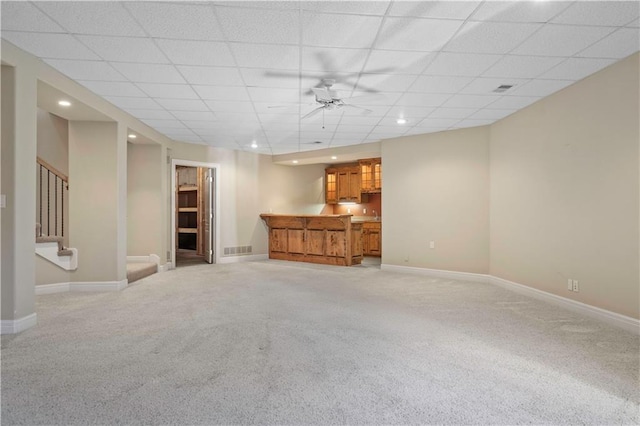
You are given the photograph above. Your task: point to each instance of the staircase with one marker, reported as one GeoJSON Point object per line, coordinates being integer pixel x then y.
{"type": "Point", "coordinates": [51, 248]}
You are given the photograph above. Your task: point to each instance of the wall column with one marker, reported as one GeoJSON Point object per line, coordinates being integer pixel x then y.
{"type": "Point", "coordinates": [18, 218]}
{"type": "Point", "coordinates": [98, 203]}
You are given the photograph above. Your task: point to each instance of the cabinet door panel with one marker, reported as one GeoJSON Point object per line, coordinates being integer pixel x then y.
{"type": "Point", "coordinates": [336, 243]}
{"type": "Point", "coordinates": [315, 243]}
{"type": "Point", "coordinates": [295, 240]}
{"type": "Point", "coordinates": [278, 240]}
{"type": "Point", "coordinates": [374, 242]}
{"type": "Point", "coordinates": [343, 186]}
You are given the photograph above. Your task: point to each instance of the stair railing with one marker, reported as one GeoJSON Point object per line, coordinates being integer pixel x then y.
{"type": "Point", "coordinates": [53, 191]}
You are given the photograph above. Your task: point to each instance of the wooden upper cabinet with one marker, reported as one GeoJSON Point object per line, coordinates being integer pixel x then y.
{"type": "Point", "coordinates": [371, 171]}
{"type": "Point", "coordinates": [342, 184]}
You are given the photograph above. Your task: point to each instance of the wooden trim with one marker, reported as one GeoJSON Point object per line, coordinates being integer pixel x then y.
{"type": "Point", "coordinates": [52, 169]}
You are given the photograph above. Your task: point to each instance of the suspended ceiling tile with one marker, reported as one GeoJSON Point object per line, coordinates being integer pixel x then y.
{"type": "Point", "coordinates": [333, 59]}
{"type": "Point", "coordinates": [183, 105]}
{"type": "Point", "coordinates": [461, 64]}
{"type": "Point", "coordinates": [385, 82]}
{"type": "Point", "coordinates": [195, 115]}
{"type": "Point", "coordinates": [423, 99]}
{"type": "Point", "coordinates": [231, 119]}
{"type": "Point", "coordinates": [222, 93]}
{"type": "Point", "coordinates": [376, 110]}
{"type": "Point", "coordinates": [86, 70]}
{"type": "Point", "coordinates": [212, 76]}
{"type": "Point", "coordinates": [50, 46]}
{"type": "Point", "coordinates": [201, 124]}
{"type": "Point", "coordinates": [513, 11]}
{"type": "Point", "coordinates": [24, 16]}
{"type": "Point", "coordinates": [491, 114]}
{"type": "Point", "coordinates": [512, 66]}
{"type": "Point", "coordinates": [618, 45]}
{"type": "Point", "coordinates": [277, 96]}
{"type": "Point", "coordinates": [230, 106]}
{"type": "Point", "coordinates": [634, 24]}
{"type": "Point", "coordinates": [410, 112]}
{"type": "Point", "coordinates": [149, 73]}
{"type": "Point", "coordinates": [138, 103]}
{"type": "Point", "coordinates": [152, 114]}
{"type": "Point", "coordinates": [164, 124]}
{"type": "Point", "coordinates": [484, 85]}
{"type": "Point", "coordinates": [124, 49]}
{"type": "Point", "coordinates": [397, 62]}
{"type": "Point", "coordinates": [490, 37]}
{"type": "Point", "coordinates": [266, 56]}
{"type": "Point", "coordinates": [452, 113]}
{"type": "Point", "coordinates": [346, 127]}
{"type": "Point", "coordinates": [177, 20]}
{"type": "Point", "coordinates": [415, 34]}
{"type": "Point", "coordinates": [415, 131]}
{"type": "Point", "coordinates": [100, 18]}
{"type": "Point", "coordinates": [605, 13]}
{"type": "Point", "coordinates": [541, 87]}
{"type": "Point", "coordinates": [472, 123]}
{"type": "Point", "coordinates": [169, 91]}
{"type": "Point", "coordinates": [576, 68]}
{"type": "Point", "coordinates": [259, 25]}
{"type": "Point", "coordinates": [514, 102]}
{"type": "Point", "coordinates": [440, 84]}
{"type": "Point", "coordinates": [270, 78]}
{"type": "Point", "coordinates": [437, 122]}
{"type": "Point", "coordinates": [574, 39]}
{"type": "Point", "coordinates": [332, 30]}
{"type": "Point", "coordinates": [188, 52]}
{"type": "Point", "coordinates": [469, 101]}
{"type": "Point", "coordinates": [392, 121]}
{"type": "Point", "coordinates": [434, 9]}
{"type": "Point", "coordinates": [347, 7]}
{"type": "Point", "coordinates": [113, 88]}
{"type": "Point", "coordinates": [361, 120]}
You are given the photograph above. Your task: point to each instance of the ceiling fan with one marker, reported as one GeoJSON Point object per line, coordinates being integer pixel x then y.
{"type": "Point", "coordinates": [329, 99]}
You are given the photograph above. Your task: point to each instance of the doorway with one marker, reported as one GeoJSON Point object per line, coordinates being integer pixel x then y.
{"type": "Point", "coordinates": [194, 218]}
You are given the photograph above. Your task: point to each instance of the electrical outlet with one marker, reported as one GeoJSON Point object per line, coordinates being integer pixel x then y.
{"type": "Point", "coordinates": [576, 286]}
{"type": "Point", "coordinates": [364, 211]}
{"type": "Point", "coordinates": [348, 211]}
{"type": "Point", "coordinates": [432, 244]}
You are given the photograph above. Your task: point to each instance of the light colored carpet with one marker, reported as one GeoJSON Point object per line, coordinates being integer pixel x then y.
{"type": "Point", "coordinates": [288, 343]}
{"type": "Point", "coordinates": [140, 270]}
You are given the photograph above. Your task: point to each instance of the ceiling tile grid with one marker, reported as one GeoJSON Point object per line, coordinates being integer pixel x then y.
{"type": "Point", "coordinates": [227, 74]}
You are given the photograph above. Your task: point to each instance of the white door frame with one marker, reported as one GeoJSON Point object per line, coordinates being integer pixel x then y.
{"type": "Point", "coordinates": [216, 208]}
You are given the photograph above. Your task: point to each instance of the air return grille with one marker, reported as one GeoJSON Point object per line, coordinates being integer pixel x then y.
{"type": "Point", "coordinates": [235, 251]}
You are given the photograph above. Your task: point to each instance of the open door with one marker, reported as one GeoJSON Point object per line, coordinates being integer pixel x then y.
{"type": "Point", "coordinates": [207, 220]}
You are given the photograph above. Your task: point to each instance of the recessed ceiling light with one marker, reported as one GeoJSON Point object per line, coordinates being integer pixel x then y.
{"type": "Point", "coordinates": [334, 157]}
{"type": "Point", "coordinates": [295, 161]}
{"type": "Point", "coordinates": [401, 121]}
{"type": "Point", "coordinates": [64, 103]}
{"type": "Point", "coordinates": [254, 144]}
{"type": "Point", "coordinates": [132, 136]}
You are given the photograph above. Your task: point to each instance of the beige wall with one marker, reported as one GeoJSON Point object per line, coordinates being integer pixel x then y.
{"type": "Point", "coordinates": [565, 195]}
{"type": "Point", "coordinates": [97, 200]}
{"type": "Point", "coordinates": [251, 184]}
{"type": "Point", "coordinates": [53, 140]}
{"type": "Point", "coordinates": [19, 124]}
{"type": "Point", "coordinates": [145, 202]}
{"type": "Point", "coordinates": [436, 188]}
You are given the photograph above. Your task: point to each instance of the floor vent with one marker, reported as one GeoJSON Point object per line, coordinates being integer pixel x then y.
{"type": "Point", "coordinates": [234, 251]}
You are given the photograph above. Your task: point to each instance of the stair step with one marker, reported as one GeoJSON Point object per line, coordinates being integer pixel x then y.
{"type": "Point", "coordinates": [137, 271]}
{"type": "Point", "coordinates": [49, 239]}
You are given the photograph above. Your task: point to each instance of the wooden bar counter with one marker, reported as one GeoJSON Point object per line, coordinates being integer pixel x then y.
{"type": "Point", "coordinates": [328, 239]}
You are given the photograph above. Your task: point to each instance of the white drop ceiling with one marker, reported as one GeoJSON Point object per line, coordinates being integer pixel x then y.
{"type": "Point", "coordinates": [228, 74]}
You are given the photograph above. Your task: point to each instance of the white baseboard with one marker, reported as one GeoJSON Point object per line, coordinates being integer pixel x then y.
{"type": "Point", "coordinates": [165, 267]}
{"type": "Point", "coordinates": [81, 286]}
{"type": "Point", "coordinates": [52, 288]}
{"type": "Point", "coordinates": [439, 273]}
{"type": "Point", "coordinates": [245, 258]}
{"type": "Point", "coordinates": [18, 325]}
{"type": "Point", "coordinates": [152, 258]}
{"type": "Point", "coordinates": [612, 318]}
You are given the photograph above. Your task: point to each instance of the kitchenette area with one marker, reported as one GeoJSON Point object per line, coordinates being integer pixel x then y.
{"type": "Point", "coordinates": [349, 227]}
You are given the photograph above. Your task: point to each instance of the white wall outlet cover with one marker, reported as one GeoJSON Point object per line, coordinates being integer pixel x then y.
{"type": "Point", "coordinates": [432, 244]}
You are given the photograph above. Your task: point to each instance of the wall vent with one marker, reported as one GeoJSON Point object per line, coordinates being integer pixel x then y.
{"type": "Point", "coordinates": [503, 88]}
{"type": "Point", "coordinates": [235, 251]}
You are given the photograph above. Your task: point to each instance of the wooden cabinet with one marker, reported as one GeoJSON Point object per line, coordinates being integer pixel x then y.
{"type": "Point", "coordinates": [189, 211]}
{"type": "Point", "coordinates": [342, 184]}
{"type": "Point", "coordinates": [372, 238]}
{"type": "Point", "coordinates": [371, 175]}
{"type": "Point", "coordinates": [330, 239]}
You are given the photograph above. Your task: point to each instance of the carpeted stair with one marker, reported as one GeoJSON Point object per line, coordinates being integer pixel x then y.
{"type": "Point", "coordinates": [139, 270]}
{"type": "Point", "coordinates": [62, 251]}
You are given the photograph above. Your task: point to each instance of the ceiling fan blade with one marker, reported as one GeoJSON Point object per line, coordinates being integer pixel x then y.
{"type": "Point", "coordinates": [322, 94]}
{"type": "Point", "coordinates": [312, 113]}
{"type": "Point", "coordinates": [364, 98]}
{"type": "Point", "coordinates": [364, 110]}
